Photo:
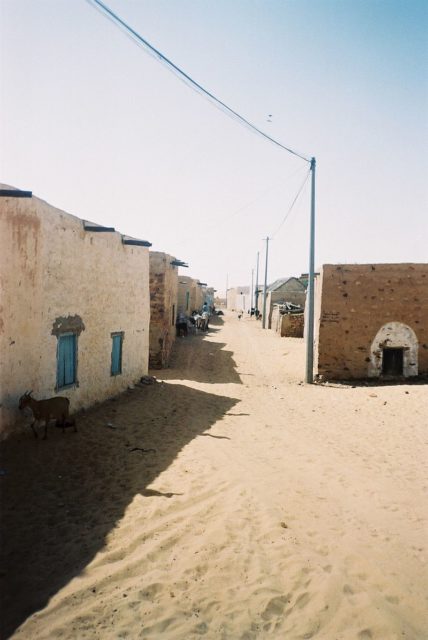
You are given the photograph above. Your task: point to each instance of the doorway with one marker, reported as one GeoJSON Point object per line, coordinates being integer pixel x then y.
{"type": "Point", "coordinates": [392, 362]}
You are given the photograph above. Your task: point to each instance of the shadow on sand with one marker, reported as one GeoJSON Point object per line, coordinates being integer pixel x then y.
{"type": "Point", "coordinates": [198, 358]}
{"type": "Point", "coordinates": [61, 497]}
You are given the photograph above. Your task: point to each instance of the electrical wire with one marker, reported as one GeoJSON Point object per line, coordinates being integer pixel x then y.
{"type": "Point", "coordinates": [290, 209]}
{"type": "Point", "coordinates": [186, 78]}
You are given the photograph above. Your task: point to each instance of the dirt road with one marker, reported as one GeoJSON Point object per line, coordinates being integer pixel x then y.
{"type": "Point", "coordinates": [261, 507]}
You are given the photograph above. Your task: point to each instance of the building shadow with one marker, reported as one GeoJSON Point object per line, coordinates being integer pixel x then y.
{"type": "Point", "coordinates": [374, 382]}
{"type": "Point", "coordinates": [60, 498]}
{"type": "Point", "coordinates": [201, 360]}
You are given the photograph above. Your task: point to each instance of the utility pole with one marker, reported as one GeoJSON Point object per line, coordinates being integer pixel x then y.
{"type": "Point", "coordinates": [256, 293]}
{"type": "Point", "coordinates": [310, 305]}
{"type": "Point", "coordinates": [265, 291]}
{"type": "Point", "coordinates": [252, 291]}
{"type": "Point", "coordinates": [227, 285]}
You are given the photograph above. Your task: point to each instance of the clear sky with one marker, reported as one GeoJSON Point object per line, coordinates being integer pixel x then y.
{"type": "Point", "coordinates": [94, 125]}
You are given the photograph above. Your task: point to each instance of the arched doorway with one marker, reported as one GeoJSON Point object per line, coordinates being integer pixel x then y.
{"type": "Point", "coordinates": [394, 352]}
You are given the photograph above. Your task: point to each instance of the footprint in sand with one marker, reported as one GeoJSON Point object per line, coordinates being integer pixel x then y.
{"type": "Point", "coordinates": [365, 634]}
{"type": "Point", "coordinates": [275, 607]}
{"type": "Point", "coordinates": [303, 600]}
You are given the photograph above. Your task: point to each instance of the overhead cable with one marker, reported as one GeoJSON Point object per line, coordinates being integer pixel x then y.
{"type": "Point", "coordinates": [292, 204]}
{"type": "Point", "coordinates": [187, 79]}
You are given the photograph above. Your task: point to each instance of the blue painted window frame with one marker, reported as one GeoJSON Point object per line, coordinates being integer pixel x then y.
{"type": "Point", "coordinates": [66, 369]}
{"type": "Point", "coordinates": [116, 353]}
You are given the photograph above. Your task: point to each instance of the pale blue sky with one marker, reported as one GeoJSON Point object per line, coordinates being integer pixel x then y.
{"type": "Point", "coordinates": [94, 125]}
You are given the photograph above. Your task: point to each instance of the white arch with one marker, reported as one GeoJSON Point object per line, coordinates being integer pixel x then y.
{"type": "Point", "coordinates": [399, 336]}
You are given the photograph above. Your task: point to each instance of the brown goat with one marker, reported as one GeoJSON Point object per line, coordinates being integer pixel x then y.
{"type": "Point", "coordinates": [47, 410]}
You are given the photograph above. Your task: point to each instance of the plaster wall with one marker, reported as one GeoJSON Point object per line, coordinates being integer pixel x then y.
{"type": "Point", "coordinates": [53, 272]}
{"type": "Point", "coordinates": [239, 299]}
{"type": "Point", "coordinates": [163, 307]}
{"type": "Point", "coordinates": [360, 309]}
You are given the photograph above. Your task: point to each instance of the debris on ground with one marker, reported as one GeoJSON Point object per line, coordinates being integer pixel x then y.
{"type": "Point", "coordinates": [142, 450]}
{"type": "Point", "coordinates": [148, 380]}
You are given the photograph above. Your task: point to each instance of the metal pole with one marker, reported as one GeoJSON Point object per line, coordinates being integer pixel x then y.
{"type": "Point", "coordinates": [256, 293]}
{"type": "Point", "coordinates": [252, 288]}
{"type": "Point", "coordinates": [265, 291]}
{"type": "Point", "coordinates": [227, 284]}
{"type": "Point", "coordinates": [310, 304]}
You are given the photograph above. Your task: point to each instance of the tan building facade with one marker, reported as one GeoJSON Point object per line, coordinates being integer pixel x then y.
{"type": "Point", "coordinates": [163, 307]}
{"type": "Point", "coordinates": [371, 321]}
{"type": "Point", "coordinates": [74, 317]}
{"type": "Point", "coordinates": [190, 295]}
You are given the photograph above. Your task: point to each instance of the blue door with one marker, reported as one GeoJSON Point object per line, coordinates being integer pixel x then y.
{"type": "Point", "coordinates": [116, 354]}
{"type": "Point", "coordinates": [66, 361]}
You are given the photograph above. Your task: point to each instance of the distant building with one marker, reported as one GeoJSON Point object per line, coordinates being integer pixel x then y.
{"type": "Point", "coordinates": [191, 295]}
{"type": "Point", "coordinates": [239, 299]}
{"type": "Point", "coordinates": [283, 290]}
{"type": "Point", "coordinates": [75, 306]}
{"type": "Point", "coordinates": [163, 307]}
{"type": "Point", "coordinates": [371, 321]}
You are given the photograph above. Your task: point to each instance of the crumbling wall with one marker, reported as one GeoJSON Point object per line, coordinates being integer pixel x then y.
{"type": "Point", "coordinates": [352, 305]}
{"type": "Point", "coordinates": [163, 308]}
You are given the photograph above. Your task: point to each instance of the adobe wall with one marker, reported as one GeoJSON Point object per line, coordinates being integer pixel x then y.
{"type": "Point", "coordinates": [360, 309]}
{"type": "Point", "coordinates": [163, 308]}
{"type": "Point", "coordinates": [56, 274]}
{"type": "Point", "coordinates": [292, 325]}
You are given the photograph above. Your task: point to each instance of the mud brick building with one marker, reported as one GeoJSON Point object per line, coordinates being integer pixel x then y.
{"type": "Point", "coordinates": [163, 307]}
{"type": "Point", "coordinates": [283, 290]}
{"type": "Point", "coordinates": [371, 321]}
{"type": "Point", "coordinates": [74, 316]}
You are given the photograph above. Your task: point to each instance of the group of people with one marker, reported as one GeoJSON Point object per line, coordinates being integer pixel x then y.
{"type": "Point", "coordinates": [198, 320]}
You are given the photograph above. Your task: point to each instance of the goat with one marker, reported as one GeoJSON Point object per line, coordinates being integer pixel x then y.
{"type": "Point", "coordinates": [47, 410]}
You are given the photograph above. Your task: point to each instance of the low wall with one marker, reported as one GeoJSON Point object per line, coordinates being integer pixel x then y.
{"type": "Point", "coordinates": [288, 325]}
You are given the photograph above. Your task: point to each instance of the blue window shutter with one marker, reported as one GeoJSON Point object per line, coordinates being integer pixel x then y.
{"type": "Point", "coordinates": [66, 365]}
{"type": "Point", "coordinates": [116, 355]}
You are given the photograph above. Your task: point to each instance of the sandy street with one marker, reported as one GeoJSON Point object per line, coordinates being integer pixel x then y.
{"type": "Point", "coordinates": [259, 507]}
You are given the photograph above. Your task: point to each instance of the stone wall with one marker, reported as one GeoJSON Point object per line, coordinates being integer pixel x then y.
{"type": "Point", "coordinates": [363, 310]}
{"type": "Point", "coordinates": [163, 307]}
{"type": "Point", "coordinates": [56, 276]}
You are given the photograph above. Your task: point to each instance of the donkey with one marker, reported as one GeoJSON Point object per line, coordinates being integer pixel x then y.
{"type": "Point", "coordinates": [57, 408]}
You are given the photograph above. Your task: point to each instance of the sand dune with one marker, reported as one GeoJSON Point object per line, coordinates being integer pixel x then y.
{"type": "Point", "coordinates": [269, 508]}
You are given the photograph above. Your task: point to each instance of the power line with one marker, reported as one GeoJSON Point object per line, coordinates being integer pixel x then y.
{"type": "Point", "coordinates": [292, 204]}
{"type": "Point", "coordinates": [187, 79]}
